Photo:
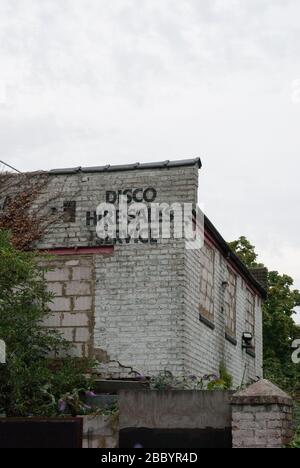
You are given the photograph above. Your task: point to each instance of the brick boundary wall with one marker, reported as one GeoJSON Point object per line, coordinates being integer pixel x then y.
{"type": "Point", "coordinates": [262, 417]}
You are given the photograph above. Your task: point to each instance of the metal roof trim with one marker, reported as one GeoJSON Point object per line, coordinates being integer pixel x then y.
{"type": "Point", "coordinates": [128, 167]}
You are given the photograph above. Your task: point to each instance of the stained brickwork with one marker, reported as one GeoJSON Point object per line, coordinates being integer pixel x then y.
{"type": "Point", "coordinates": [262, 417]}
{"type": "Point", "coordinates": [138, 313]}
{"type": "Point", "coordinates": [72, 281]}
{"type": "Point", "coordinates": [206, 347]}
{"type": "Point", "coordinates": [262, 426]}
{"type": "Point", "coordinates": [174, 185]}
{"type": "Point", "coordinates": [138, 309]}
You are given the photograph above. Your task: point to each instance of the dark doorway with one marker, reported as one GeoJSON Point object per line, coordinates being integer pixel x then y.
{"type": "Point", "coordinates": [176, 438]}
{"type": "Point", "coordinates": [41, 433]}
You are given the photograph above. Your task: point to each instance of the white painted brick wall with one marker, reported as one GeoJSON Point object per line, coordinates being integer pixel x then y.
{"type": "Point", "coordinates": [89, 190]}
{"type": "Point", "coordinates": [147, 297]}
{"type": "Point", "coordinates": [205, 349]}
{"type": "Point", "coordinates": [139, 307]}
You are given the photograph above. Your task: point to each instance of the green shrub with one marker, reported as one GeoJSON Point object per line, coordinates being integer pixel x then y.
{"type": "Point", "coordinates": [32, 383]}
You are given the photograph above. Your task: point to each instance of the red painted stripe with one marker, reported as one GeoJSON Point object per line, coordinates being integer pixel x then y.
{"type": "Point", "coordinates": [103, 250]}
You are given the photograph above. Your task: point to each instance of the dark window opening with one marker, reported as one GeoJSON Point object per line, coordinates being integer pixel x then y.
{"type": "Point", "coordinates": [69, 212]}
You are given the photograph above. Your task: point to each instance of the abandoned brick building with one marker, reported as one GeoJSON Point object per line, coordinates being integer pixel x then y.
{"type": "Point", "coordinates": [145, 307]}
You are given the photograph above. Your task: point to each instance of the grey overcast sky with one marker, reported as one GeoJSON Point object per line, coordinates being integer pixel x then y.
{"type": "Point", "coordinates": [91, 82]}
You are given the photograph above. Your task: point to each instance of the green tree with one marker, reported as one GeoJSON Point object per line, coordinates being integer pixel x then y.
{"type": "Point", "coordinates": [279, 327]}
{"type": "Point", "coordinates": [31, 383]}
{"type": "Point", "coordinates": [245, 251]}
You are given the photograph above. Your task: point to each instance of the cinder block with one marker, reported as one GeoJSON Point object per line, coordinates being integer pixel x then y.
{"type": "Point", "coordinates": [77, 350]}
{"type": "Point", "coordinates": [82, 303]}
{"type": "Point", "coordinates": [60, 304]}
{"type": "Point", "coordinates": [57, 275]}
{"type": "Point", "coordinates": [67, 333]}
{"type": "Point", "coordinates": [53, 321]}
{"type": "Point", "coordinates": [78, 288]}
{"type": "Point", "coordinates": [82, 273]}
{"type": "Point", "coordinates": [55, 288]}
{"type": "Point", "coordinates": [75, 320]}
{"type": "Point", "coordinates": [82, 335]}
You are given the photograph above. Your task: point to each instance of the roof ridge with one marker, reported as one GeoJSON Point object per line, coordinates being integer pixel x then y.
{"type": "Point", "coordinates": [129, 167]}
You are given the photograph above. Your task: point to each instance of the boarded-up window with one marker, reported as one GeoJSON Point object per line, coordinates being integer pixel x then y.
{"type": "Point", "coordinates": [250, 312]}
{"type": "Point", "coordinates": [230, 304]}
{"type": "Point", "coordinates": [207, 282]}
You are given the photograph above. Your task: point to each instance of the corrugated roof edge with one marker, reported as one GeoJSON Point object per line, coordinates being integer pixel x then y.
{"type": "Point", "coordinates": [129, 167]}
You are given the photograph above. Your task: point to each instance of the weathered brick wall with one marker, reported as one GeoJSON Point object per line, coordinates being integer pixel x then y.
{"type": "Point", "coordinates": [262, 417]}
{"type": "Point", "coordinates": [266, 426]}
{"type": "Point", "coordinates": [139, 309]}
{"type": "Point", "coordinates": [138, 289]}
{"type": "Point", "coordinates": [205, 348]}
{"type": "Point", "coordinates": [71, 280]}
{"type": "Point", "coordinates": [143, 309]}
{"type": "Point", "coordinates": [89, 190]}
{"type": "Point", "coordinates": [259, 416]}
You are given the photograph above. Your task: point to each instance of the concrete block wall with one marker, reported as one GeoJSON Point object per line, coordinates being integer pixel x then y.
{"type": "Point", "coordinates": [71, 280]}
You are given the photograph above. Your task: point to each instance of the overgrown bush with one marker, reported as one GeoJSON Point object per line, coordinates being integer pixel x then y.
{"type": "Point", "coordinates": [32, 383]}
